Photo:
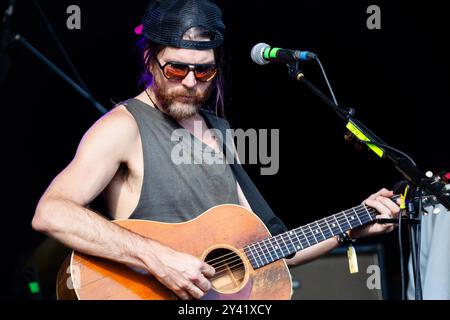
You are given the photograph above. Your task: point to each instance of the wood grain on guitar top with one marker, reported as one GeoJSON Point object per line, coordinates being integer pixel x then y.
{"type": "Point", "coordinates": [225, 228]}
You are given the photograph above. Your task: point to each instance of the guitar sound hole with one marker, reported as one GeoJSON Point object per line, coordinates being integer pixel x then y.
{"type": "Point", "coordinates": [230, 270]}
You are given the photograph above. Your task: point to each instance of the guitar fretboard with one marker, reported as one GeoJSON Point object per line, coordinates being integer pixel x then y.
{"type": "Point", "coordinates": [283, 245]}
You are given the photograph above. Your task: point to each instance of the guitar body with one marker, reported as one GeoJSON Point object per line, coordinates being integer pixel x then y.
{"type": "Point", "coordinates": [218, 235]}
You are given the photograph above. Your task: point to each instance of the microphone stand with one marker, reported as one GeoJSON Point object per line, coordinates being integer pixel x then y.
{"type": "Point", "coordinates": [8, 38]}
{"type": "Point", "coordinates": [24, 42]}
{"type": "Point", "coordinates": [404, 165]}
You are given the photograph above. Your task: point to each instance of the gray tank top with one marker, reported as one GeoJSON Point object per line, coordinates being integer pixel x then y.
{"type": "Point", "coordinates": [176, 192]}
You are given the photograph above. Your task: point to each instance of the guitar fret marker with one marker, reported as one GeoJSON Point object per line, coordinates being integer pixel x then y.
{"type": "Point", "coordinates": [285, 245]}
{"type": "Point", "coordinates": [290, 239]}
{"type": "Point", "coordinates": [348, 221]}
{"type": "Point", "coordinates": [299, 241]}
{"type": "Point", "coordinates": [275, 247]}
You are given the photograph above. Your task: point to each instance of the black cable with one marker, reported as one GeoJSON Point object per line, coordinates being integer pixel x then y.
{"type": "Point", "coordinates": [326, 80]}
{"type": "Point", "coordinates": [402, 262]}
{"type": "Point", "coordinates": [388, 147]}
{"type": "Point", "coordinates": [418, 279]}
{"type": "Point", "coordinates": [60, 46]}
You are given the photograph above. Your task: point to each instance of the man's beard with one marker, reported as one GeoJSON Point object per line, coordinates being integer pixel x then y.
{"type": "Point", "coordinates": [182, 103]}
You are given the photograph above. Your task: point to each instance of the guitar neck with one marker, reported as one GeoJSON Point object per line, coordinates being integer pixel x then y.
{"type": "Point", "coordinates": [283, 245]}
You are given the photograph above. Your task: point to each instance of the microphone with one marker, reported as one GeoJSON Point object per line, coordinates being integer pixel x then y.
{"type": "Point", "coordinates": [262, 54]}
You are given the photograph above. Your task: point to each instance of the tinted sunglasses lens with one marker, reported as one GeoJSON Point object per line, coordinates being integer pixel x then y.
{"type": "Point", "coordinates": [176, 71]}
{"type": "Point", "coordinates": [205, 73]}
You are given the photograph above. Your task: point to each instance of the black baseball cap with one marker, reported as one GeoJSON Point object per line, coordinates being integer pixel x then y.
{"type": "Point", "coordinates": [166, 21]}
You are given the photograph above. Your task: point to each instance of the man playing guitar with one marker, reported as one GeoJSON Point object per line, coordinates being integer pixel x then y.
{"type": "Point", "coordinates": [126, 156]}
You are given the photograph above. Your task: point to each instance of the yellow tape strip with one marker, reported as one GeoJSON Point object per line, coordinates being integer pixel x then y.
{"type": "Point", "coordinates": [361, 136]}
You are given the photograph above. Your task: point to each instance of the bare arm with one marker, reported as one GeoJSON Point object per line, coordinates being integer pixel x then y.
{"type": "Point", "coordinates": [314, 252]}
{"type": "Point", "coordinates": [62, 213]}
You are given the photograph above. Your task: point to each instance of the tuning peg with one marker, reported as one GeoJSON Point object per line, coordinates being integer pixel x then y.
{"type": "Point", "coordinates": [436, 210]}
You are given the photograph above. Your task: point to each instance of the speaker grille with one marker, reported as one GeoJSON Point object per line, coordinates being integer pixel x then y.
{"type": "Point", "coordinates": [328, 278]}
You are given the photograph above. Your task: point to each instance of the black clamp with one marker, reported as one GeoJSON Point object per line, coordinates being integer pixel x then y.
{"type": "Point", "coordinates": [345, 239]}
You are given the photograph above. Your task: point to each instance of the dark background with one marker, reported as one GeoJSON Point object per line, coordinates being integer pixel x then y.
{"type": "Point", "coordinates": [396, 78]}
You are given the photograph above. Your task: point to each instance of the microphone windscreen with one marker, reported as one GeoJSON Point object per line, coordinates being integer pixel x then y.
{"type": "Point", "coordinates": [257, 53]}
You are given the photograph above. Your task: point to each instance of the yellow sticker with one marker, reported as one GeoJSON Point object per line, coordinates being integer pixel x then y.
{"type": "Point", "coordinates": [403, 198]}
{"type": "Point", "coordinates": [361, 136]}
{"type": "Point", "coordinates": [352, 260]}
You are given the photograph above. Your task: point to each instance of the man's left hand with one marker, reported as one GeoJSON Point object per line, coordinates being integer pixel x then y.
{"type": "Point", "coordinates": [381, 202]}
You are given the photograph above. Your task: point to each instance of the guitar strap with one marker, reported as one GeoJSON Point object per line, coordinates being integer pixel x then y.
{"type": "Point", "coordinates": [256, 200]}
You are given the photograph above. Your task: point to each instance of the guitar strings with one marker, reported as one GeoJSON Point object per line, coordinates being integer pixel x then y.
{"type": "Point", "coordinates": [308, 234]}
{"type": "Point", "coordinates": [284, 236]}
{"type": "Point", "coordinates": [233, 269]}
{"type": "Point", "coordinates": [220, 275]}
{"type": "Point", "coordinates": [358, 210]}
{"type": "Point", "coordinates": [222, 266]}
{"type": "Point", "coordinates": [233, 255]}
{"type": "Point", "coordinates": [338, 217]}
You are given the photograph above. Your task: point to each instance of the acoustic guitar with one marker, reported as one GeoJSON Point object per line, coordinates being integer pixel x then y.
{"type": "Point", "coordinates": [248, 261]}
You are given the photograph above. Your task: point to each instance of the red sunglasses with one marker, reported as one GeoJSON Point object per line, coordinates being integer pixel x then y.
{"type": "Point", "coordinates": [179, 71]}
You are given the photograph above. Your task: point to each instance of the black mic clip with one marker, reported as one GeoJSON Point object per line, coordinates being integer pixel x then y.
{"type": "Point", "coordinates": [350, 113]}
{"type": "Point", "coordinates": [295, 71]}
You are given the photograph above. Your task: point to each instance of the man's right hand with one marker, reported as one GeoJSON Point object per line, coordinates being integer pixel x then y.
{"type": "Point", "coordinates": [184, 274]}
